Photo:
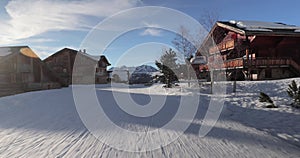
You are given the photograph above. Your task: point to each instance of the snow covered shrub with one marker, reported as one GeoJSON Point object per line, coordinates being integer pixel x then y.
{"type": "Point", "coordinates": [266, 99]}
{"type": "Point", "coordinates": [294, 92]}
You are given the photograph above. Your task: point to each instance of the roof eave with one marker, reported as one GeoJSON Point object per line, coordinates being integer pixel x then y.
{"type": "Point", "coordinates": [234, 29]}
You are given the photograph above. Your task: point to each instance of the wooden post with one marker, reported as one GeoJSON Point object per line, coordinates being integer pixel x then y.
{"type": "Point", "coordinates": [248, 65]}
{"type": "Point", "coordinates": [189, 75]}
{"type": "Point", "coordinates": [251, 59]}
{"type": "Point", "coordinates": [247, 57]}
{"type": "Point", "coordinates": [234, 82]}
{"type": "Point", "coordinates": [212, 81]}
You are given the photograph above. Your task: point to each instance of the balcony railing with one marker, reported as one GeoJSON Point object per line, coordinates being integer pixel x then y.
{"type": "Point", "coordinates": [234, 63]}
{"type": "Point", "coordinates": [271, 62]}
{"type": "Point", "coordinates": [254, 63]}
{"type": "Point", "coordinates": [223, 46]}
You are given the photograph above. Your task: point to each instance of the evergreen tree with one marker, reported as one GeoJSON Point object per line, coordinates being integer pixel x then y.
{"type": "Point", "coordinates": [167, 66]}
{"type": "Point", "coordinates": [294, 92]}
{"type": "Point", "coordinates": [265, 98]}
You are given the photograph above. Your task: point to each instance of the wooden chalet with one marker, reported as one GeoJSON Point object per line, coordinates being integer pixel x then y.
{"type": "Point", "coordinates": [102, 74]}
{"type": "Point", "coordinates": [252, 50]}
{"type": "Point", "coordinates": [62, 63]}
{"type": "Point", "coordinates": [22, 70]}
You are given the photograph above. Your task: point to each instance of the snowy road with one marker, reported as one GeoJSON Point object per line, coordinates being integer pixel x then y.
{"type": "Point", "coordinates": [46, 124]}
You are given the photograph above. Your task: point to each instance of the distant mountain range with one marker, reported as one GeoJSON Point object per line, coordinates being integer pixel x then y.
{"type": "Point", "coordinates": [139, 69]}
{"type": "Point", "coordinates": [143, 69]}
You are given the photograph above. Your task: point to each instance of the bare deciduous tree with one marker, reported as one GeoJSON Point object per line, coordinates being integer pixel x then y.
{"type": "Point", "coordinates": [191, 46]}
{"type": "Point", "coordinates": [188, 42]}
{"type": "Point", "coordinates": [182, 44]}
{"type": "Point", "coordinates": [208, 19]}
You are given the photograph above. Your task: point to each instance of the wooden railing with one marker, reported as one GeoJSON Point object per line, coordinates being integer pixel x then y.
{"type": "Point", "coordinates": [225, 45]}
{"type": "Point", "coordinates": [239, 62]}
{"type": "Point", "coordinates": [269, 62]}
{"type": "Point", "coordinates": [255, 63]}
{"type": "Point", "coordinates": [266, 62]}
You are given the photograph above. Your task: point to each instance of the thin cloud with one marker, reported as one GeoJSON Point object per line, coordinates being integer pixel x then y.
{"type": "Point", "coordinates": [151, 32]}
{"type": "Point", "coordinates": [30, 18]}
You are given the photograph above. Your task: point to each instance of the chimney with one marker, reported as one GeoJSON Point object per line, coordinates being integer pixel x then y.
{"type": "Point", "coordinates": [84, 51]}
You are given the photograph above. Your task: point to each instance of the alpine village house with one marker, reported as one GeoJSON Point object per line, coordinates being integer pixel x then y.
{"type": "Point", "coordinates": [21, 70]}
{"type": "Point", "coordinates": [251, 50]}
{"type": "Point", "coordinates": [62, 64]}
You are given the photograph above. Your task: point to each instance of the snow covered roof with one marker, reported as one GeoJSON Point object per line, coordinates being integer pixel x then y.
{"type": "Point", "coordinates": [4, 51]}
{"type": "Point", "coordinates": [262, 27]}
{"type": "Point", "coordinates": [103, 59]}
{"type": "Point", "coordinates": [94, 57]}
{"type": "Point", "coordinates": [25, 50]}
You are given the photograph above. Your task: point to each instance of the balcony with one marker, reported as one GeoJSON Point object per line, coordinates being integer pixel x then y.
{"type": "Point", "coordinates": [254, 63]}
{"type": "Point", "coordinates": [223, 46]}
{"type": "Point", "coordinates": [271, 62]}
{"type": "Point", "coordinates": [235, 63]}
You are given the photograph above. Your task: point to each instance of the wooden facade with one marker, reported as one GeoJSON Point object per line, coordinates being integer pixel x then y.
{"type": "Point", "coordinates": [62, 64]}
{"type": "Point", "coordinates": [22, 70]}
{"type": "Point", "coordinates": [249, 50]}
{"type": "Point", "coordinates": [102, 75]}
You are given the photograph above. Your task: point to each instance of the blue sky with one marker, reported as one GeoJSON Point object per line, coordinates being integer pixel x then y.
{"type": "Point", "coordinates": [49, 25]}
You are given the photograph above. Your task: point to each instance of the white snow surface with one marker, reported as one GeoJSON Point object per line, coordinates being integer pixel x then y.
{"type": "Point", "coordinates": [46, 124]}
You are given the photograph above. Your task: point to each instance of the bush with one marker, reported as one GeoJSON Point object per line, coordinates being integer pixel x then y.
{"type": "Point", "coordinates": [294, 92]}
{"type": "Point", "coordinates": [265, 98]}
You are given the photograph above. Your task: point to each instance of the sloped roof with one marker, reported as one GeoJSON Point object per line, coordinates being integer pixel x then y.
{"type": "Point", "coordinates": [104, 59]}
{"type": "Point", "coordinates": [4, 51]}
{"type": "Point", "coordinates": [61, 51]}
{"type": "Point", "coordinates": [259, 27]}
{"type": "Point", "coordinates": [25, 50]}
{"type": "Point", "coordinates": [93, 57]}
